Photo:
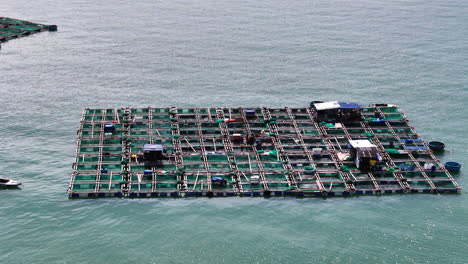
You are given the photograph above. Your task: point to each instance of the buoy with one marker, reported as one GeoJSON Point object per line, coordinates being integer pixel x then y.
{"type": "Point", "coordinates": [53, 28]}
{"type": "Point", "coordinates": [452, 166]}
{"type": "Point", "coordinates": [436, 145]}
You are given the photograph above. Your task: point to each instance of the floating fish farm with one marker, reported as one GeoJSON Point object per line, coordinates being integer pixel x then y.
{"type": "Point", "coordinates": [327, 149]}
{"type": "Point", "coordinates": [14, 28]}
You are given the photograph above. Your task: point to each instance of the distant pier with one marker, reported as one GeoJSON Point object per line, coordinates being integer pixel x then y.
{"type": "Point", "coordinates": [324, 150]}
{"type": "Point", "coordinates": [11, 28]}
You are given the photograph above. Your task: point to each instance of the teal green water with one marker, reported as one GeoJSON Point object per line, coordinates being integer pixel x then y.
{"type": "Point", "coordinates": [228, 53]}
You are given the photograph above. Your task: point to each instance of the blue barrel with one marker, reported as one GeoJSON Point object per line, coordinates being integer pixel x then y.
{"type": "Point", "coordinates": [452, 166]}
{"type": "Point", "coordinates": [436, 145]}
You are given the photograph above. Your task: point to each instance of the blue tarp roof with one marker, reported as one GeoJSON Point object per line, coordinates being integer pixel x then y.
{"type": "Point", "coordinates": [415, 147]}
{"type": "Point", "coordinates": [411, 140]}
{"type": "Point", "coordinates": [217, 179]}
{"type": "Point", "coordinates": [349, 105]}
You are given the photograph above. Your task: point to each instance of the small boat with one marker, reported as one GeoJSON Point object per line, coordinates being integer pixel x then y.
{"type": "Point", "coordinates": [436, 145]}
{"type": "Point", "coordinates": [9, 183]}
{"type": "Point", "coordinates": [452, 166]}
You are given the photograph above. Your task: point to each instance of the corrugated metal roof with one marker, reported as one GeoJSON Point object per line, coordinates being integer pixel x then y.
{"type": "Point", "coordinates": [327, 105]}
{"type": "Point", "coordinates": [361, 144]}
{"type": "Point", "coordinates": [153, 147]}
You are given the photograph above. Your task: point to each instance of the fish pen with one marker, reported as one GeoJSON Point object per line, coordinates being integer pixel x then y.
{"type": "Point", "coordinates": [11, 28]}
{"type": "Point", "coordinates": [327, 149]}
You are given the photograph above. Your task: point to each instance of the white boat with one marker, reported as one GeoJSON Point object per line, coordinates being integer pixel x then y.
{"type": "Point", "coordinates": [9, 183]}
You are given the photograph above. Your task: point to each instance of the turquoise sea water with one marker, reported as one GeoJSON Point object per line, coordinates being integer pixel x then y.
{"type": "Point", "coordinates": [228, 53]}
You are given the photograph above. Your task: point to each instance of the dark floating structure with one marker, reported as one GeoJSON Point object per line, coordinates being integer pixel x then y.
{"type": "Point", "coordinates": [11, 28]}
{"type": "Point", "coordinates": [327, 149]}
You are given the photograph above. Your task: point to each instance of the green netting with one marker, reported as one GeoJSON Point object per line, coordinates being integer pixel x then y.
{"type": "Point", "coordinates": [143, 187]}
{"type": "Point", "coordinates": [311, 132]}
{"type": "Point", "coordinates": [309, 186]}
{"type": "Point", "coordinates": [219, 167]}
{"type": "Point", "coordinates": [245, 166]}
{"type": "Point", "coordinates": [7, 32]}
{"type": "Point", "coordinates": [106, 177]}
{"type": "Point", "coordinates": [112, 149]}
{"type": "Point", "coordinates": [137, 168]}
{"type": "Point", "coordinates": [185, 111]}
{"type": "Point", "coordinates": [138, 133]}
{"type": "Point", "coordinates": [84, 187]}
{"type": "Point", "coordinates": [392, 151]}
{"type": "Point", "coordinates": [105, 186]}
{"type": "Point", "coordinates": [162, 117]}
{"type": "Point", "coordinates": [87, 159]}
{"type": "Point", "coordinates": [217, 158]}
{"type": "Point", "coordinates": [222, 187]}
{"type": "Point", "coordinates": [278, 186]}
{"type": "Point", "coordinates": [389, 109]}
{"type": "Point", "coordinates": [252, 187]}
{"type": "Point", "coordinates": [419, 184]}
{"type": "Point", "coordinates": [244, 158]}
{"type": "Point", "coordinates": [112, 167]}
{"type": "Point", "coordinates": [273, 166]}
{"type": "Point", "coordinates": [330, 175]}
{"type": "Point", "coordinates": [86, 167]}
{"type": "Point", "coordinates": [166, 178]}
{"type": "Point", "coordinates": [194, 167]}
{"type": "Point", "coordinates": [336, 186]}
{"type": "Point", "coordinates": [139, 110]}
{"type": "Point", "coordinates": [382, 131]}
{"type": "Point", "coordinates": [268, 158]}
{"type": "Point", "coordinates": [11, 20]}
{"type": "Point", "coordinates": [166, 186]}
{"type": "Point", "coordinates": [24, 27]}
{"type": "Point", "coordinates": [394, 116]}
{"type": "Point", "coordinates": [166, 167]}
{"type": "Point", "coordinates": [139, 126]}
{"type": "Point", "coordinates": [111, 158]}
{"type": "Point", "coordinates": [192, 177]}
{"type": "Point", "coordinates": [305, 125]}
{"type": "Point", "coordinates": [90, 117]}
{"type": "Point", "coordinates": [90, 142]}
{"type": "Point", "coordinates": [198, 187]}
{"type": "Point", "coordinates": [403, 130]}
{"type": "Point", "coordinates": [192, 158]}
{"type": "Point", "coordinates": [85, 178]}
{"type": "Point", "coordinates": [443, 184]}
{"type": "Point", "coordinates": [111, 142]}
{"type": "Point", "coordinates": [160, 110]}
{"type": "Point", "coordinates": [336, 132]}
{"type": "Point", "coordinates": [105, 159]}
{"type": "Point", "coordinates": [276, 177]}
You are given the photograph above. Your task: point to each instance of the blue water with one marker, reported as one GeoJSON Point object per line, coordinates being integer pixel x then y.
{"type": "Point", "coordinates": [228, 53]}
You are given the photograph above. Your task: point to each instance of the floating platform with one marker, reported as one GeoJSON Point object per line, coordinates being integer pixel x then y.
{"type": "Point", "coordinates": [11, 28]}
{"type": "Point", "coordinates": [219, 152]}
